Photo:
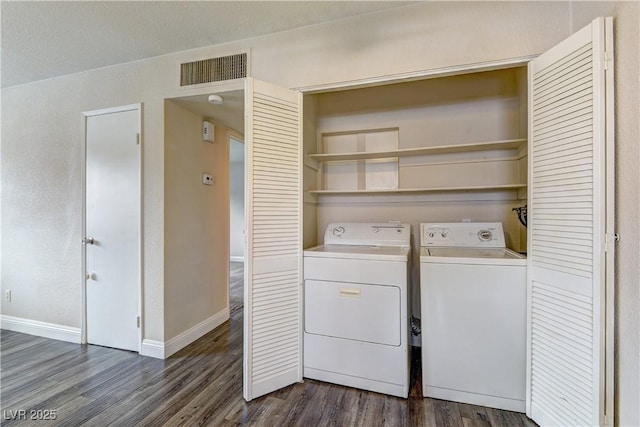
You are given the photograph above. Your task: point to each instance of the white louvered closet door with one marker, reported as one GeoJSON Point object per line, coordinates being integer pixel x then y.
{"type": "Point", "coordinates": [571, 212]}
{"type": "Point", "coordinates": [273, 266]}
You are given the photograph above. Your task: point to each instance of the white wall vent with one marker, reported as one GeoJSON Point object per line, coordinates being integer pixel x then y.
{"type": "Point", "coordinates": [213, 70]}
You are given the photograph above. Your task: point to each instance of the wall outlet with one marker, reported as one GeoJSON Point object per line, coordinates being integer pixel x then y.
{"type": "Point", "coordinates": [7, 295]}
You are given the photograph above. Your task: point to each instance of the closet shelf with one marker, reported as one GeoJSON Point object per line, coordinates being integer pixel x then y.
{"type": "Point", "coordinates": [421, 190]}
{"type": "Point", "coordinates": [405, 152]}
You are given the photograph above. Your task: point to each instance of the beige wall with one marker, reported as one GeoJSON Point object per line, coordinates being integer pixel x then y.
{"type": "Point", "coordinates": [196, 268]}
{"type": "Point", "coordinates": [41, 217]}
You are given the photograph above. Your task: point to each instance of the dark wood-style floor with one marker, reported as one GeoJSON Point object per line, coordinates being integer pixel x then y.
{"type": "Point", "coordinates": [200, 385]}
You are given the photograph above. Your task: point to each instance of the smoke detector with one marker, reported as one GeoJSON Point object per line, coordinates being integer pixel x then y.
{"type": "Point", "coordinates": [215, 99]}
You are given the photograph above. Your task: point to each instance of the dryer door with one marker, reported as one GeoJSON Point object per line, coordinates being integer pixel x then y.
{"type": "Point", "coordinates": [353, 311]}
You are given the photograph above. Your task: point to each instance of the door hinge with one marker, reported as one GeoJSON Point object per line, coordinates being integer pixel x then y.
{"type": "Point", "coordinates": [610, 240]}
{"type": "Point", "coordinates": [612, 237]}
{"type": "Point", "coordinates": [138, 321]}
{"type": "Point", "coordinates": [137, 139]}
{"type": "Point", "coordinates": [607, 58]}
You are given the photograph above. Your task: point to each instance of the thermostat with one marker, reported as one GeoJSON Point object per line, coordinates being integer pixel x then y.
{"type": "Point", "coordinates": [208, 131]}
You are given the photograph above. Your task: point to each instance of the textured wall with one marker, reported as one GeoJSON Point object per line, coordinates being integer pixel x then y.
{"type": "Point", "coordinates": [42, 193]}
{"type": "Point", "coordinates": [42, 215]}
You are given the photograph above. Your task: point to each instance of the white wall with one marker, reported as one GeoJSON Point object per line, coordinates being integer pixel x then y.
{"type": "Point", "coordinates": [236, 199]}
{"type": "Point", "coordinates": [41, 218]}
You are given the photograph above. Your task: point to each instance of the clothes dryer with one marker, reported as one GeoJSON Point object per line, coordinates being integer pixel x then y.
{"type": "Point", "coordinates": [355, 302]}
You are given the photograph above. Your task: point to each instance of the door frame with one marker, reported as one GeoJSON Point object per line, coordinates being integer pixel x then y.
{"type": "Point", "coordinates": [238, 137]}
{"type": "Point", "coordinates": [233, 134]}
{"type": "Point", "coordinates": [85, 115]}
{"type": "Point", "coordinates": [431, 73]}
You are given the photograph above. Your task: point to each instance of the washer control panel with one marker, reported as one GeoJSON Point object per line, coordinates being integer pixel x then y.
{"type": "Point", "coordinates": [368, 234]}
{"type": "Point", "coordinates": [464, 234]}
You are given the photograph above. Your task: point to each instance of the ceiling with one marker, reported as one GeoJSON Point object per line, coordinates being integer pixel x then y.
{"type": "Point", "coordinates": [230, 113]}
{"type": "Point", "coordinates": [45, 39]}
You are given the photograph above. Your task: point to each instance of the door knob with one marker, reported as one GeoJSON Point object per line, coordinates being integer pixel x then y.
{"type": "Point", "coordinates": [88, 241]}
{"type": "Point", "coordinates": [91, 276]}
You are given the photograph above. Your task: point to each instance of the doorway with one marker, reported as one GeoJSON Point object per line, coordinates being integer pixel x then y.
{"type": "Point", "coordinates": [198, 272]}
{"type": "Point", "coordinates": [112, 224]}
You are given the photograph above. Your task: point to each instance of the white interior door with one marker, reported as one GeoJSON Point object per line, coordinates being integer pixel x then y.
{"type": "Point", "coordinates": [112, 215]}
{"type": "Point", "coordinates": [570, 227]}
{"type": "Point", "coordinates": [273, 256]}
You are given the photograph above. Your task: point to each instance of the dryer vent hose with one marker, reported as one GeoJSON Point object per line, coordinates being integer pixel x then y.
{"type": "Point", "coordinates": [522, 214]}
{"type": "Point", "coordinates": [415, 326]}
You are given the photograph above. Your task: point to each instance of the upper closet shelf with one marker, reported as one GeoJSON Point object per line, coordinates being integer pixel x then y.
{"type": "Point", "coordinates": [405, 152]}
{"type": "Point", "coordinates": [424, 190]}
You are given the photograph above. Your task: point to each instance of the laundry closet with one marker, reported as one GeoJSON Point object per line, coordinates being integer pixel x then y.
{"type": "Point", "coordinates": [464, 144]}
{"type": "Point", "coordinates": [443, 149]}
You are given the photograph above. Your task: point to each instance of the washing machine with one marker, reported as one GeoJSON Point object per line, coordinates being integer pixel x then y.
{"type": "Point", "coordinates": [355, 307]}
{"type": "Point", "coordinates": [473, 306]}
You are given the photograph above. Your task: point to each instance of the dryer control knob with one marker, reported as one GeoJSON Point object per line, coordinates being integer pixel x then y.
{"type": "Point", "coordinates": [338, 231]}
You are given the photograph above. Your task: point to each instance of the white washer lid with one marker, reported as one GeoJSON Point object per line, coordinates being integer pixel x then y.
{"type": "Point", "coordinates": [384, 253]}
{"type": "Point", "coordinates": [472, 256]}
{"type": "Point", "coordinates": [474, 253]}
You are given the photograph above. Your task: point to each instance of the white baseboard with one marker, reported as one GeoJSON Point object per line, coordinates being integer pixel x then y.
{"type": "Point", "coordinates": [41, 329]}
{"type": "Point", "coordinates": [190, 335]}
{"type": "Point", "coordinates": [152, 348]}
{"type": "Point", "coordinates": [236, 258]}
{"type": "Point", "coordinates": [162, 350]}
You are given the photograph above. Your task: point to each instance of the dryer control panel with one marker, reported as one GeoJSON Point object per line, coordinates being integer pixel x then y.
{"type": "Point", "coordinates": [368, 234]}
{"type": "Point", "coordinates": [464, 234]}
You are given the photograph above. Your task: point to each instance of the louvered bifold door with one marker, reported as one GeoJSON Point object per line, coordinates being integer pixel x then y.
{"type": "Point", "coordinates": [567, 225]}
{"type": "Point", "coordinates": [273, 265]}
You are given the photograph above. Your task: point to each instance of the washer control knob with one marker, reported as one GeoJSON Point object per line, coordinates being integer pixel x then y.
{"type": "Point", "coordinates": [431, 234]}
{"type": "Point", "coordinates": [338, 231]}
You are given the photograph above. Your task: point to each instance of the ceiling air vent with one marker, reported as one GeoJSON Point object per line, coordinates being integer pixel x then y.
{"type": "Point", "coordinates": [213, 70]}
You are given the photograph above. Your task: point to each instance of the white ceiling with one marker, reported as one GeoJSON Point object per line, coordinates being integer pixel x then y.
{"type": "Point", "coordinates": [45, 39]}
